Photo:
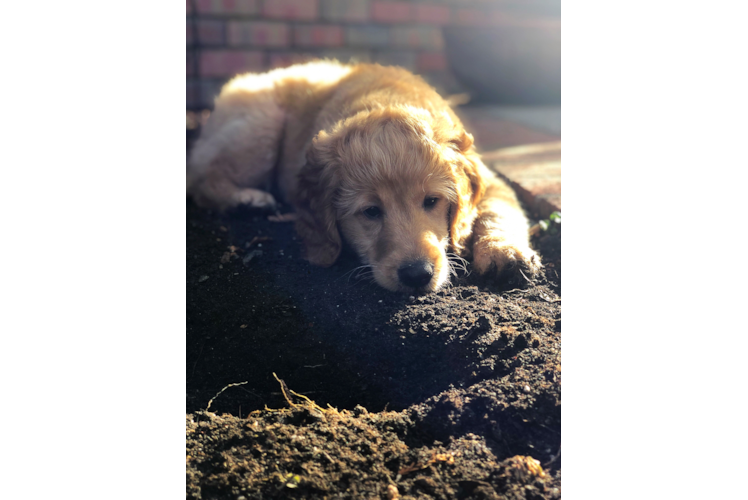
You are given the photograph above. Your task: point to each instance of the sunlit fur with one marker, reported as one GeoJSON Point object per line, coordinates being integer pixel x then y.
{"type": "Point", "coordinates": [341, 139]}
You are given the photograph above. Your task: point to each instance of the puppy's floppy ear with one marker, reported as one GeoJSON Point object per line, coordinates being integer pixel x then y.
{"type": "Point", "coordinates": [316, 223]}
{"type": "Point", "coordinates": [463, 142]}
{"type": "Point", "coordinates": [470, 190]}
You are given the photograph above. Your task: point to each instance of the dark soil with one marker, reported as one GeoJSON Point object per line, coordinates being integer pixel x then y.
{"type": "Point", "coordinates": [455, 394]}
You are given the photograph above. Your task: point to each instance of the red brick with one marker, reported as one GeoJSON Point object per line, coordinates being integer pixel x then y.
{"type": "Point", "coordinates": [259, 34]}
{"type": "Point", "coordinates": [432, 14]}
{"type": "Point", "coordinates": [190, 59]}
{"type": "Point", "coordinates": [227, 6]}
{"type": "Point", "coordinates": [318, 36]}
{"type": "Point", "coordinates": [431, 61]}
{"type": "Point", "coordinates": [424, 37]}
{"type": "Point", "coordinates": [500, 18]}
{"type": "Point", "coordinates": [472, 17]}
{"type": "Point", "coordinates": [285, 59]}
{"type": "Point", "coordinates": [368, 36]}
{"type": "Point", "coordinates": [209, 32]}
{"type": "Point", "coordinates": [392, 12]}
{"type": "Point", "coordinates": [345, 10]}
{"type": "Point", "coordinates": [193, 93]}
{"type": "Point", "coordinates": [218, 63]}
{"type": "Point", "coordinates": [291, 9]}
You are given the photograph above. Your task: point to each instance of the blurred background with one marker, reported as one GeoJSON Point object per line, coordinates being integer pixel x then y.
{"type": "Point", "coordinates": [502, 57]}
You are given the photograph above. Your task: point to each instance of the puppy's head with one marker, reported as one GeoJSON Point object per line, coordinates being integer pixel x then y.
{"type": "Point", "coordinates": [400, 186]}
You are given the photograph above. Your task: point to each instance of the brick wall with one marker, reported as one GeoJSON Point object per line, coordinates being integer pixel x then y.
{"type": "Point", "coordinates": [236, 36]}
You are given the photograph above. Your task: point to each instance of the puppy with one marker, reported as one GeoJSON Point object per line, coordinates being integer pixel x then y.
{"type": "Point", "coordinates": [367, 154]}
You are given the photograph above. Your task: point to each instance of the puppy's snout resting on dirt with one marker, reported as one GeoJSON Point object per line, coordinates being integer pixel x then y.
{"type": "Point", "coordinates": [416, 274]}
{"type": "Point", "coordinates": [366, 154]}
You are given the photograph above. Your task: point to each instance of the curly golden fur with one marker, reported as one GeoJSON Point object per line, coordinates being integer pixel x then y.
{"type": "Point", "coordinates": [366, 154]}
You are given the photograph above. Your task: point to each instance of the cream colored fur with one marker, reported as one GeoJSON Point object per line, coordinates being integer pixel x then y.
{"type": "Point", "coordinates": [367, 154]}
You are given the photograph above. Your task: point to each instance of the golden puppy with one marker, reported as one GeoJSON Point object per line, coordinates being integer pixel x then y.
{"type": "Point", "coordinates": [367, 154]}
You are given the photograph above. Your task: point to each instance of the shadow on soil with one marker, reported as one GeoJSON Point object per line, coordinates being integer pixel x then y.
{"type": "Point", "coordinates": [454, 394]}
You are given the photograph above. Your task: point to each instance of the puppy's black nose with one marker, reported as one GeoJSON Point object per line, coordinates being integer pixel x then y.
{"type": "Point", "coordinates": [416, 274]}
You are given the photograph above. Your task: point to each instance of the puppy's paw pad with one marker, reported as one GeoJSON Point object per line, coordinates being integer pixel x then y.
{"type": "Point", "coordinates": [505, 258]}
{"type": "Point", "coordinates": [255, 198]}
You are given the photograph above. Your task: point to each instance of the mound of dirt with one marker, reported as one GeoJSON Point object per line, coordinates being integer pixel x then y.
{"type": "Point", "coordinates": [342, 389]}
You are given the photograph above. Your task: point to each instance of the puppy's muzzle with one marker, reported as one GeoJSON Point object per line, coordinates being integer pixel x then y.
{"type": "Point", "coordinates": [416, 274]}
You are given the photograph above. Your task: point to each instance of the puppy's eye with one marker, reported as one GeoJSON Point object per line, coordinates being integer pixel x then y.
{"type": "Point", "coordinates": [430, 202]}
{"type": "Point", "coordinates": [373, 212]}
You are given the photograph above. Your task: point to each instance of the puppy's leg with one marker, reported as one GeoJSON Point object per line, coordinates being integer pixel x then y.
{"type": "Point", "coordinates": [237, 152]}
{"type": "Point", "coordinates": [218, 191]}
{"type": "Point", "coordinates": [500, 232]}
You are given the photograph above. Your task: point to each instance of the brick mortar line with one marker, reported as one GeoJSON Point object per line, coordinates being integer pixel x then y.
{"type": "Point", "coordinates": [336, 23]}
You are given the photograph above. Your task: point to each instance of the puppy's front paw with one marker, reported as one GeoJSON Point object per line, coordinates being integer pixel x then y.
{"type": "Point", "coordinates": [255, 198]}
{"type": "Point", "coordinates": [493, 253]}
